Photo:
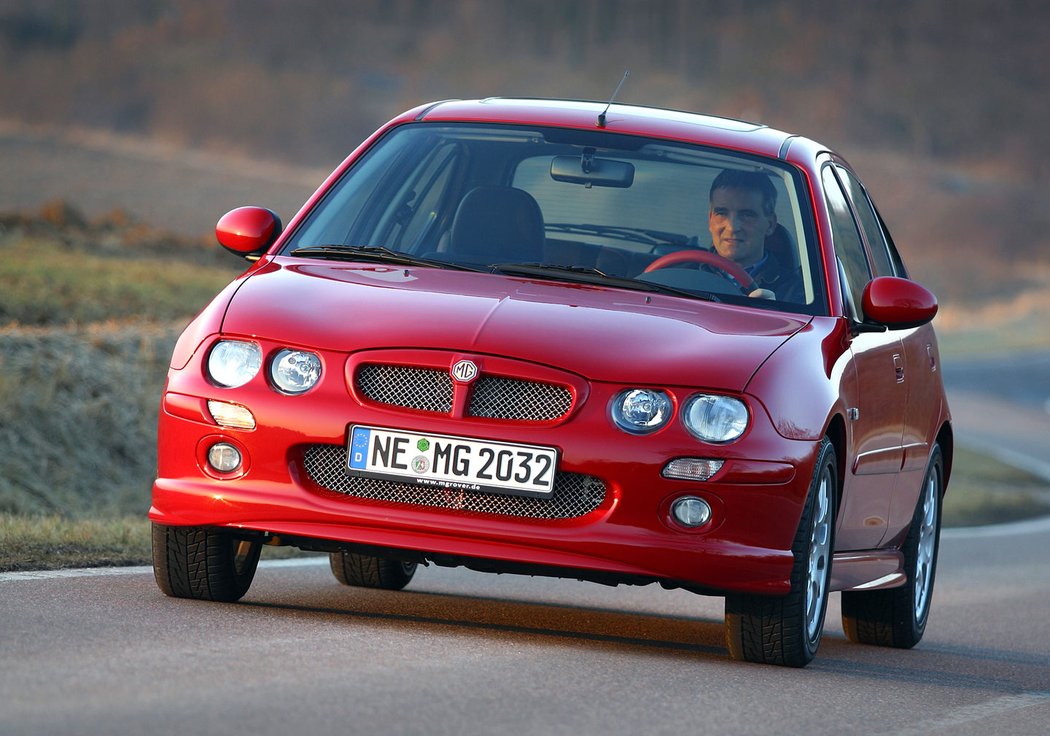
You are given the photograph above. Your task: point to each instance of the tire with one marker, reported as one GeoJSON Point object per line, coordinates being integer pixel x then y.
{"type": "Point", "coordinates": [786, 630]}
{"type": "Point", "coordinates": [897, 617]}
{"type": "Point", "coordinates": [365, 571]}
{"type": "Point", "coordinates": [203, 564]}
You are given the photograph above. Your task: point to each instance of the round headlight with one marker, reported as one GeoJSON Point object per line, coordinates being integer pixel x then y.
{"type": "Point", "coordinates": [641, 410]}
{"type": "Point", "coordinates": [295, 371]}
{"type": "Point", "coordinates": [233, 363]}
{"type": "Point", "coordinates": [715, 418]}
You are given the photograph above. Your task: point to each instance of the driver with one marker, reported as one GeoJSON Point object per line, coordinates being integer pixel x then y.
{"type": "Point", "coordinates": [742, 215]}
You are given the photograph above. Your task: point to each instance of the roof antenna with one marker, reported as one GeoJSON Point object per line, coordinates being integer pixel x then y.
{"type": "Point", "coordinates": [601, 115]}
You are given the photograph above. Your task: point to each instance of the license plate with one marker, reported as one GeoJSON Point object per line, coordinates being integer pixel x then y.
{"type": "Point", "coordinates": [452, 462]}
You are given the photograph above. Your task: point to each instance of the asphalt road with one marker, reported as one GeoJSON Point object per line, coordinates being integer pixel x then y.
{"type": "Point", "coordinates": [462, 653]}
{"type": "Point", "coordinates": [1001, 404]}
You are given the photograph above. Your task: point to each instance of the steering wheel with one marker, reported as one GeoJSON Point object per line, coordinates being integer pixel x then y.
{"type": "Point", "coordinates": [710, 258]}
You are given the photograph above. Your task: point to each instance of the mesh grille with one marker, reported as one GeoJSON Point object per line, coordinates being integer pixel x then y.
{"type": "Point", "coordinates": [493, 397]}
{"type": "Point", "coordinates": [574, 494]}
{"type": "Point", "coordinates": [414, 388]}
{"type": "Point", "coordinates": [496, 397]}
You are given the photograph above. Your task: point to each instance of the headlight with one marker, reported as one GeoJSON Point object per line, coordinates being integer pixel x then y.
{"type": "Point", "coordinates": [715, 418]}
{"type": "Point", "coordinates": [641, 410]}
{"type": "Point", "coordinates": [295, 371]}
{"type": "Point", "coordinates": [233, 363]}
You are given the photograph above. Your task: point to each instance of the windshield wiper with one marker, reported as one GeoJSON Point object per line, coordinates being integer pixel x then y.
{"type": "Point", "coordinates": [376, 253]}
{"type": "Point", "coordinates": [621, 232]}
{"type": "Point", "coordinates": [586, 275]}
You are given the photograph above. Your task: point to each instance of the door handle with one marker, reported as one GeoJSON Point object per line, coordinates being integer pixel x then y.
{"type": "Point", "coordinates": [898, 364]}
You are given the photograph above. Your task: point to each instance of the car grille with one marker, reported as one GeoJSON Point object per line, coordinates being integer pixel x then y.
{"type": "Point", "coordinates": [414, 388]}
{"type": "Point", "coordinates": [574, 494]}
{"type": "Point", "coordinates": [496, 397]}
{"type": "Point", "coordinates": [492, 397]}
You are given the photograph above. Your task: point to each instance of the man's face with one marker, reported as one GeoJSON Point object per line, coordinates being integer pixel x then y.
{"type": "Point", "coordinates": [739, 225]}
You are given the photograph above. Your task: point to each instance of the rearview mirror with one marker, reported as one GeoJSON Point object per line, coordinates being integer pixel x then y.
{"type": "Point", "coordinates": [248, 231]}
{"type": "Point", "coordinates": [898, 303]}
{"type": "Point", "coordinates": [591, 171]}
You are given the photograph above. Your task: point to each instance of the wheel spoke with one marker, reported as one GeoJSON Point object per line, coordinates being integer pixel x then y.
{"type": "Point", "coordinates": [819, 551]}
{"type": "Point", "coordinates": [926, 547]}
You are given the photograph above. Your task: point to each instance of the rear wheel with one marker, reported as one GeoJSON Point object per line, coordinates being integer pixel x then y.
{"type": "Point", "coordinates": [365, 571]}
{"type": "Point", "coordinates": [787, 630]}
{"type": "Point", "coordinates": [193, 562]}
{"type": "Point", "coordinates": [897, 617]}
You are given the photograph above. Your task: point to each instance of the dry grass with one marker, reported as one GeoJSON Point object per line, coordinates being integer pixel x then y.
{"type": "Point", "coordinates": [984, 490]}
{"type": "Point", "coordinates": [52, 542]}
{"type": "Point", "coordinates": [89, 314]}
{"type": "Point", "coordinates": [42, 285]}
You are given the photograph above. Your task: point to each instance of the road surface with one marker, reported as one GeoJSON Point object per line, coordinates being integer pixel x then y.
{"type": "Point", "coordinates": [1002, 404]}
{"type": "Point", "coordinates": [460, 652]}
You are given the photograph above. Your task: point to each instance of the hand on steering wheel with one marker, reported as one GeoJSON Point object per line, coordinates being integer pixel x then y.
{"type": "Point", "coordinates": [710, 258]}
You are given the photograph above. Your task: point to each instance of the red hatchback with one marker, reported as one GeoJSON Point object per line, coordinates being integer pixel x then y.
{"type": "Point", "coordinates": [628, 346]}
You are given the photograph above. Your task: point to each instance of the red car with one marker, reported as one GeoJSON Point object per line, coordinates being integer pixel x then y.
{"type": "Point", "coordinates": [612, 343]}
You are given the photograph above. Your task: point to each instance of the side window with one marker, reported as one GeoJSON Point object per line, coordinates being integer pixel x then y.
{"type": "Point", "coordinates": [869, 221]}
{"type": "Point", "coordinates": [848, 246]}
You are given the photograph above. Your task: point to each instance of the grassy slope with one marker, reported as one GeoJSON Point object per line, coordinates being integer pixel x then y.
{"type": "Point", "coordinates": [79, 396]}
{"type": "Point", "coordinates": [88, 317]}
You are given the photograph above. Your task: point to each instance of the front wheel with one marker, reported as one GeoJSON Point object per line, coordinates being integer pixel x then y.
{"type": "Point", "coordinates": [897, 617]}
{"type": "Point", "coordinates": [366, 571]}
{"type": "Point", "coordinates": [205, 564]}
{"type": "Point", "coordinates": [787, 630]}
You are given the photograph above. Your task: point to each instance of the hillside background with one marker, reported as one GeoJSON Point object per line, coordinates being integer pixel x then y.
{"type": "Point", "coordinates": [941, 104]}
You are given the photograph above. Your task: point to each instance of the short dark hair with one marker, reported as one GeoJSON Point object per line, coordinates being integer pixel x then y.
{"type": "Point", "coordinates": [750, 180]}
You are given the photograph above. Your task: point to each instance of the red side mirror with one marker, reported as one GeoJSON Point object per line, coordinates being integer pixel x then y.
{"type": "Point", "coordinates": [248, 231]}
{"type": "Point", "coordinates": [898, 303]}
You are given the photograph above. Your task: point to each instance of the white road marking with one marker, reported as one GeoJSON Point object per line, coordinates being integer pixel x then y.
{"type": "Point", "coordinates": [971, 713]}
{"type": "Point", "coordinates": [1013, 528]}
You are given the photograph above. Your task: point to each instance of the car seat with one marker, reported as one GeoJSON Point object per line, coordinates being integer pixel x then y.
{"type": "Point", "coordinates": [496, 224]}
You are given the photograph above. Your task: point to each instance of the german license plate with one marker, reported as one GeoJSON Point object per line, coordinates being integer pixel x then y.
{"type": "Point", "coordinates": [452, 462]}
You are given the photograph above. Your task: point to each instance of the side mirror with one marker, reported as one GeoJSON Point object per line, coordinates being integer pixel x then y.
{"type": "Point", "coordinates": [248, 231]}
{"type": "Point", "coordinates": [898, 303]}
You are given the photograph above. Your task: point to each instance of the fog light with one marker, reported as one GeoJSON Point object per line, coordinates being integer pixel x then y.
{"type": "Point", "coordinates": [691, 511]}
{"type": "Point", "coordinates": [231, 415]}
{"type": "Point", "coordinates": [224, 457]}
{"type": "Point", "coordinates": [692, 468]}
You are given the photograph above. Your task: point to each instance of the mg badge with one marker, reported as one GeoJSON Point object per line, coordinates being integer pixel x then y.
{"type": "Point", "coordinates": [465, 371]}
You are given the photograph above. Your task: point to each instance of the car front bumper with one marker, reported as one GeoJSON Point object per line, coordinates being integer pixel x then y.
{"type": "Point", "coordinates": [613, 517]}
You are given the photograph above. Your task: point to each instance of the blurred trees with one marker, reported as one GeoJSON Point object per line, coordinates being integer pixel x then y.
{"type": "Point", "coordinates": [940, 103]}
{"type": "Point", "coordinates": [953, 79]}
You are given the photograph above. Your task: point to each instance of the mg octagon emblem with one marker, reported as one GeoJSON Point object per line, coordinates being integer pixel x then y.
{"type": "Point", "coordinates": [465, 371]}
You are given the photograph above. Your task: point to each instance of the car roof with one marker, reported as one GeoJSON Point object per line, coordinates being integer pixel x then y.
{"type": "Point", "coordinates": [628, 119]}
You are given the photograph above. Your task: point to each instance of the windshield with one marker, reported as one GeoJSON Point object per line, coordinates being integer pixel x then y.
{"type": "Point", "coordinates": [576, 206]}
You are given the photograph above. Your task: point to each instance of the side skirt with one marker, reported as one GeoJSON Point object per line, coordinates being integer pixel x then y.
{"type": "Point", "coordinates": [870, 570]}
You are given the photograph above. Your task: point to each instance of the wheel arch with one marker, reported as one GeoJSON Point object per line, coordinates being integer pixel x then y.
{"type": "Point", "coordinates": [946, 440]}
{"type": "Point", "coordinates": [836, 433]}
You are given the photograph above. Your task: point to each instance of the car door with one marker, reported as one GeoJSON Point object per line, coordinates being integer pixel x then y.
{"type": "Point", "coordinates": [873, 386]}
{"type": "Point", "coordinates": [920, 359]}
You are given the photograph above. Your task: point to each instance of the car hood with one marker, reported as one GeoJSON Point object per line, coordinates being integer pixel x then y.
{"type": "Point", "coordinates": [599, 333]}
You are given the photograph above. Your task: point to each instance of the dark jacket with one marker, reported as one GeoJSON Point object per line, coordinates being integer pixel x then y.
{"type": "Point", "coordinates": [785, 282]}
